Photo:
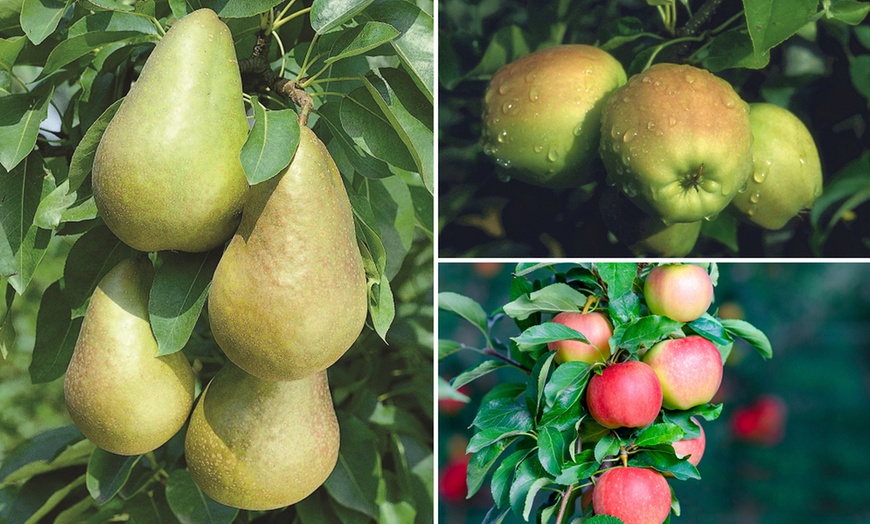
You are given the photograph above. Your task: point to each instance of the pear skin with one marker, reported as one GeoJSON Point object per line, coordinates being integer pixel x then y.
{"type": "Point", "coordinates": [118, 392]}
{"type": "Point", "coordinates": [167, 174]}
{"type": "Point", "coordinates": [289, 295]}
{"type": "Point", "coordinates": [259, 445]}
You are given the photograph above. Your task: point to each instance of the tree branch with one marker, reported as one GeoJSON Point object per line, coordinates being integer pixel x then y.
{"type": "Point", "coordinates": [257, 68]}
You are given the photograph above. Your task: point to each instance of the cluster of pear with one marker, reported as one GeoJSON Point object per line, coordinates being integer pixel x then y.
{"type": "Point", "coordinates": [288, 297]}
{"type": "Point", "coordinates": [676, 141]}
{"type": "Point", "coordinates": [676, 374]}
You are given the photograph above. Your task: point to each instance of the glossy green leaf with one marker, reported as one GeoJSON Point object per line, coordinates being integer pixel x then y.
{"type": "Point", "coordinates": [354, 481]}
{"type": "Point", "coordinates": [644, 331]}
{"type": "Point", "coordinates": [361, 39]}
{"type": "Point", "coordinates": [503, 413]}
{"type": "Point", "coordinates": [56, 335]}
{"type": "Point", "coordinates": [553, 298]}
{"type": "Point", "coordinates": [751, 334]}
{"type": "Point", "coordinates": [476, 372]}
{"type": "Point", "coordinates": [538, 336]}
{"type": "Point", "coordinates": [52, 207]}
{"type": "Point", "coordinates": [20, 116]}
{"type": "Point", "coordinates": [529, 479]}
{"type": "Point", "coordinates": [10, 48]}
{"type": "Point", "coordinates": [177, 296]}
{"type": "Point", "coordinates": [393, 208]}
{"type": "Point", "coordinates": [71, 50]}
{"type": "Point", "coordinates": [92, 256]}
{"type": "Point", "coordinates": [191, 506]}
{"type": "Point", "coordinates": [365, 164]}
{"type": "Point", "coordinates": [663, 433]}
{"type": "Point", "coordinates": [326, 15]}
{"type": "Point", "coordinates": [112, 21]}
{"type": "Point", "coordinates": [463, 306]}
{"type": "Point", "coordinates": [481, 463]}
{"type": "Point", "coordinates": [551, 450]}
{"type": "Point", "coordinates": [42, 448]}
{"type": "Point", "coordinates": [83, 157]}
{"type": "Point", "coordinates": [851, 12]}
{"type": "Point", "coordinates": [271, 143]}
{"type": "Point", "coordinates": [39, 18]}
{"type": "Point", "coordinates": [502, 476]}
{"type": "Point", "coordinates": [770, 22]}
{"type": "Point", "coordinates": [107, 474]}
{"type": "Point", "coordinates": [227, 9]}
{"type": "Point", "coordinates": [365, 123]}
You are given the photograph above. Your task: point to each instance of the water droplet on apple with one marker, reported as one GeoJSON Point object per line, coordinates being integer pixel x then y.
{"type": "Point", "coordinates": [752, 209]}
{"type": "Point", "coordinates": [578, 130]}
{"type": "Point", "coordinates": [690, 79]}
{"type": "Point", "coordinates": [503, 162]}
{"type": "Point", "coordinates": [630, 190]}
{"type": "Point", "coordinates": [503, 89]}
{"type": "Point", "coordinates": [539, 148]}
{"type": "Point", "coordinates": [650, 125]}
{"type": "Point", "coordinates": [712, 217]}
{"type": "Point", "coordinates": [503, 176]}
{"type": "Point", "coordinates": [588, 71]}
{"type": "Point", "coordinates": [610, 181]}
{"type": "Point", "coordinates": [755, 197]}
{"type": "Point", "coordinates": [729, 103]}
{"type": "Point", "coordinates": [553, 154]}
{"type": "Point", "coordinates": [533, 94]}
{"type": "Point", "coordinates": [759, 176]}
{"type": "Point", "coordinates": [672, 121]}
{"type": "Point", "coordinates": [502, 137]}
{"type": "Point", "coordinates": [507, 107]}
{"type": "Point", "coordinates": [629, 135]}
{"type": "Point", "coordinates": [802, 161]}
{"type": "Point", "coordinates": [530, 77]}
{"type": "Point", "coordinates": [646, 80]}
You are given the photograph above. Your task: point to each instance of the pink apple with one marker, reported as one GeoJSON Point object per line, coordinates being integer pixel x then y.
{"type": "Point", "coordinates": [627, 394]}
{"type": "Point", "coordinates": [761, 423]}
{"type": "Point", "coordinates": [594, 326]}
{"type": "Point", "coordinates": [693, 447]}
{"type": "Point", "coordinates": [690, 370]}
{"type": "Point", "coordinates": [682, 292]}
{"type": "Point", "coordinates": [634, 495]}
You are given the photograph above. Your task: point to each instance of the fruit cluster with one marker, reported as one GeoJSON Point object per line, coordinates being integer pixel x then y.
{"type": "Point", "coordinates": [288, 297]}
{"type": "Point", "coordinates": [675, 374]}
{"type": "Point", "coordinates": [676, 141]}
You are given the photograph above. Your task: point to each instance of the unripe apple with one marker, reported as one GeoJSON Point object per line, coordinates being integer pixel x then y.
{"type": "Point", "coordinates": [542, 113]}
{"type": "Point", "coordinates": [693, 447]}
{"type": "Point", "coordinates": [787, 175]}
{"type": "Point", "coordinates": [627, 394]}
{"type": "Point", "coordinates": [682, 292]}
{"type": "Point", "coordinates": [676, 139]}
{"type": "Point", "coordinates": [634, 495]}
{"type": "Point", "coordinates": [594, 326]}
{"type": "Point", "coordinates": [643, 234]}
{"type": "Point", "coordinates": [690, 370]}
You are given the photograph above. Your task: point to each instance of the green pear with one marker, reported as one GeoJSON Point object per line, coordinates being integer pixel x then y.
{"type": "Point", "coordinates": [119, 393]}
{"type": "Point", "coordinates": [167, 174]}
{"type": "Point", "coordinates": [259, 444]}
{"type": "Point", "coordinates": [542, 113]}
{"type": "Point", "coordinates": [676, 139]}
{"type": "Point", "coordinates": [788, 173]}
{"type": "Point", "coordinates": [289, 295]}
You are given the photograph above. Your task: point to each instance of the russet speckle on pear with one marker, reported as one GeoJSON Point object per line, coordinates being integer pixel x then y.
{"type": "Point", "coordinates": [289, 295]}
{"type": "Point", "coordinates": [166, 174]}
{"type": "Point", "coordinates": [259, 445]}
{"type": "Point", "coordinates": [119, 393]}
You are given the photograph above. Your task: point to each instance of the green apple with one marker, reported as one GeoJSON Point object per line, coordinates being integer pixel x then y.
{"type": "Point", "coordinates": [627, 394]}
{"type": "Point", "coordinates": [597, 330]}
{"type": "Point", "coordinates": [689, 369]}
{"type": "Point", "coordinates": [542, 113]}
{"type": "Point", "coordinates": [643, 234]}
{"type": "Point", "coordinates": [787, 176]}
{"type": "Point", "coordinates": [676, 139]}
{"type": "Point", "coordinates": [634, 495]}
{"type": "Point", "coordinates": [682, 292]}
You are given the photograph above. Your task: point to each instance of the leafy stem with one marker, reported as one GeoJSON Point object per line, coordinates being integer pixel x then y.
{"type": "Point", "coordinates": [493, 353]}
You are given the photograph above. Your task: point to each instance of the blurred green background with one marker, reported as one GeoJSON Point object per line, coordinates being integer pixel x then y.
{"type": "Point", "coordinates": [791, 445]}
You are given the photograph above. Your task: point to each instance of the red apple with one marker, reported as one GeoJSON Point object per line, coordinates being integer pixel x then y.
{"type": "Point", "coordinates": [690, 370]}
{"type": "Point", "coordinates": [693, 447]}
{"type": "Point", "coordinates": [634, 495]}
{"type": "Point", "coordinates": [627, 394]}
{"type": "Point", "coordinates": [594, 326]}
{"type": "Point", "coordinates": [452, 484]}
{"type": "Point", "coordinates": [682, 292]}
{"type": "Point", "coordinates": [761, 423]}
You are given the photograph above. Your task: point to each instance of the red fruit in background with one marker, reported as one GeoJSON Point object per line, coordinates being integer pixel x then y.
{"type": "Point", "coordinates": [682, 292]}
{"type": "Point", "coordinates": [451, 406]}
{"type": "Point", "coordinates": [690, 370]}
{"type": "Point", "coordinates": [693, 447]}
{"type": "Point", "coordinates": [635, 495]}
{"type": "Point", "coordinates": [487, 269]}
{"type": "Point", "coordinates": [452, 485]}
{"type": "Point", "coordinates": [594, 326]}
{"type": "Point", "coordinates": [627, 394]}
{"type": "Point", "coordinates": [762, 422]}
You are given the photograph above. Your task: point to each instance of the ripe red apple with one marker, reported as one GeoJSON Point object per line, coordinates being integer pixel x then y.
{"type": "Point", "coordinates": [761, 423]}
{"type": "Point", "coordinates": [693, 447]}
{"type": "Point", "coordinates": [634, 495]}
{"type": "Point", "coordinates": [690, 370]}
{"type": "Point", "coordinates": [452, 484]}
{"type": "Point", "coordinates": [627, 394]}
{"type": "Point", "coordinates": [682, 292]}
{"type": "Point", "coordinates": [594, 326]}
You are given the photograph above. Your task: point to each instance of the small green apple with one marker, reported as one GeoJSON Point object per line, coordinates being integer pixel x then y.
{"type": "Point", "coordinates": [643, 234]}
{"type": "Point", "coordinates": [676, 139]}
{"type": "Point", "coordinates": [597, 330]}
{"type": "Point", "coordinates": [542, 113]}
{"type": "Point", "coordinates": [787, 175]}
{"type": "Point", "coordinates": [682, 292]}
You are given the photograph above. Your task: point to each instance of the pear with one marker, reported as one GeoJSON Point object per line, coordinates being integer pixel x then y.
{"type": "Point", "coordinates": [167, 174]}
{"type": "Point", "coordinates": [118, 392]}
{"type": "Point", "coordinates": [289, 295]}
{"type": "Point", "coordinates": [258, 444]}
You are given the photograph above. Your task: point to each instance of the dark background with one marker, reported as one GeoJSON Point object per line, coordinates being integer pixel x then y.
{"type": "Point", "coordinates": [811, 468]}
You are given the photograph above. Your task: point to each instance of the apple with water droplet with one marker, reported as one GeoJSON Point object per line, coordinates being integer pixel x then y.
{"type": "Point", "coordinates": [676, 139]}
{"type": "Point", "coordinates": [787, 174]}
{"type": "Point", "coordinates": [634, 495]}
{"type": "Point", "coordinates": [542, 113]}
{"type": "Point", "coordinates": [597, 330]}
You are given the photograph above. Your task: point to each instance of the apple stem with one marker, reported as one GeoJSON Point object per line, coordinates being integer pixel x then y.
{"type": "Point", "coordinates": [589, 301]}
{"type": "Point", "coordinates": [701, 16]}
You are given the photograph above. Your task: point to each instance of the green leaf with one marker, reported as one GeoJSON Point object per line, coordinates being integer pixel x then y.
{"type": "Point", "coordinates": [644, 331]}
{"type": "Point", "coordinates": [859, 71]}
{"type": "Point", "coordinates": [770, 22]}
{"type": "Point", "coordinates": [107, 474]}
{"type": "Point", "coordinates": [848, 190]}
{"type": "Point", "coordinates": [480, 464]}
{"type": "Point", "coordinates": [23, 244]}
{"type": "Point", "coordinates": [56, 335]}
{"type": "Point", "coordinates": [537, 336]}
{"type": "Point", "coordinates": [52, 207]}
{"type": "Point", "coordinates": [42, 448]}
{"type": "Point", "coordinates": [505, 414]}
{"type": "Point", "coordinates": [393, 209]}
{"type": "Point", "coordinates": [71, 50]}
{"type": "Point", "coordinates": [177, 296]}
{"type": "Point", "coordinates": [448, 347]}
{"type": "Point", "coordinates": [465, 307]}
{"type": "Point", "coordinates": [20, 116]}
{"type": "Point", "coordinates": [529, 479]}
{"type": "Point", "coordinates": [501, 477]}
{"type": "Point", "coordinates": [55, 498]}
{"type": "Point", "coordinates": [410, 114]}
{"type": "Point", "coordinates": [271, 143]}
{"type": "Point", "coordinates": [608, 445]}
{"type": "Point", "coordinates": [415, 45]}
{"type": "Point", "coordinates": [368, 127]}
{"type": "Point", "coordinates": [92, 256]}
{"type": "Point", "coordinates": [604, 519]}
{"type": "Point", "coordinates": [711, 328]}
{"type": "Point", "coordinates": [365, 164]}
{"type": "Point", "coordinates": [112, 21]}
{"type": "Point", "coordinates": [733, 49]}
{"type": "Point", "coordinates": [850, 12]}
{"type": "Point", "coordinates": [10, 48]}
{"type": "Point", "coordinates": [663, 433]}
{"type": "Point", "coordinates": [191, 506]}
{"type": "Point", "coordinates": [487, 437]}
{"type": "Point", "coordinates": [226, 9]}
{"type": "Point", "coordinates": [326, 15]}
{"type": "Point", "coordinates": [567, 385]}
{"type": "Point", "coordinates": [535, 383]}
{"type": "Point", "coordinates": [354, 481]}
{"type": "Point", "coordinates": [359, 40]}
{"type": "Point", "coordinates": [553, 298]}
{"type": "Point", "coordinates": [83, 157]}
{"type": "Point", "coordinates": [664, 460]}
{"type": "Point", "coordinates": [448, 392]}
{"type": "Point", "coordinates": [506, 45]}
{"type": "Point", "coordinates": [575, 473]}
{"type": "Point", "coordinates": [39, 18]}
{"type": "Point", "coordinates": [551, 450]}
{"type": "Point", "coordinates": [150, 507]}
{"type": "Point", "coordinates": [751, 334]}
